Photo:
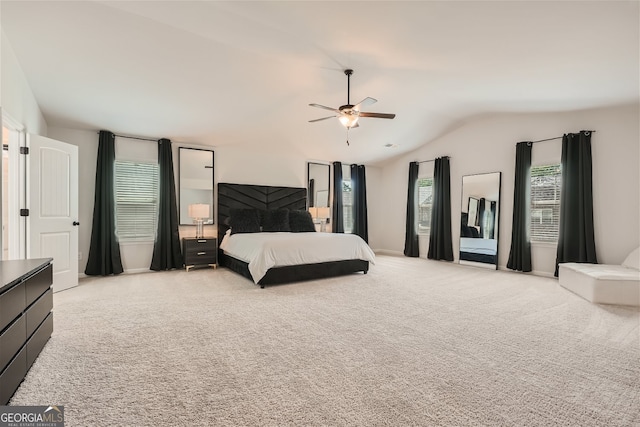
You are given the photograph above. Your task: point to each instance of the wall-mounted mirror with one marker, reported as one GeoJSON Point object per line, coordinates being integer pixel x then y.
{"type": "Point", "coordinates": [196, 186]}
{"type": "Point", "coordinates": [318, 185]}
{"type": "Point", "coordinates": [479, 219]}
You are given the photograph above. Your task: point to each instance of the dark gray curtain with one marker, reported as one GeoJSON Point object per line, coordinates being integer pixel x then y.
{"type": "Point", "coordinates": [337, 215]}
{"type": "Point", "coordinates": [520, 252]}
{"type": "Point", "coordinates": [166, 251]}
{"type": "Point", "coordinates": [359, 188]}
{"type": "Point", "coordinates": [492, 222]}
{"type": "Point", "coordinates": [104, 250]}
{"type": "Point", "coordinates": [481, 214]}
{"type": "Point", "coordinates": [576, 241]}
{"type": "Point", "coordinates": [411, 236]}
{"type": "Point", "coordinates": [312, 192]}
{"type": "Point", "coordinates": [440, 243]}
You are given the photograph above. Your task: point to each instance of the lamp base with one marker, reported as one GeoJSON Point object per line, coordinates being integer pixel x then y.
{"type": "Point", "coordinates": [199, 229]}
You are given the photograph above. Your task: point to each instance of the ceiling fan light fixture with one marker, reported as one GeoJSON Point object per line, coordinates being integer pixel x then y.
{"type": "Point", "coordinates": [349, 121]}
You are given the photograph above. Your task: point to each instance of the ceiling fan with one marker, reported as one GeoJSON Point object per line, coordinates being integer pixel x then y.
{"type": "Point", "coordinates": [349, 114]}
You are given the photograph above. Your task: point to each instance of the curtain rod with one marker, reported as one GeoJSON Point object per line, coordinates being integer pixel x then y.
{"type": "Point", "coordinates": [133, 137]}
{"type": "Point", "coordinates": [433, 160]}
{"type": "Point", "coordinates": [558, 137]}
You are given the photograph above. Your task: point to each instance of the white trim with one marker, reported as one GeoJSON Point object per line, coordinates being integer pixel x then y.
{"type": "Point", "coordinates": [388, 252]}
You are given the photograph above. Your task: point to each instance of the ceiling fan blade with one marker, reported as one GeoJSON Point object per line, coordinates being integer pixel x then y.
{"type": "Point", "coordinates": [325, 108]}
{"type": "Point", "coordinates": [377, 115]}
{"type": "Point", "coordinates": [357, 125]}
{"type": "Point", "coordinates": [324, 118]}
{"type": "Point", "coordinates": [364, 103]}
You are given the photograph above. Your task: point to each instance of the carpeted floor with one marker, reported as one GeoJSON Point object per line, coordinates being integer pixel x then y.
{"type": "Point", "coordinates": [414, 342]}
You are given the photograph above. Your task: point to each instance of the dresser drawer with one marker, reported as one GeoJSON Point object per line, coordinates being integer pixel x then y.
{"type": "Point", "coordinates": [39, 283]}
{"type": "Point", "coordinates": [38, 311]}
{"type": "Point", "coordinates": [39, 339]}
{"type": "Point", "coordinates": [12, 303]}
{"type": "Point", "coordinates": [11, 340]}
{"type": "Point", "coordinates": [12, 376]}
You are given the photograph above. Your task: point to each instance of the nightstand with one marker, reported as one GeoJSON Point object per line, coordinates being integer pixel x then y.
{"type": "Point", "coordinates": [200, 252]}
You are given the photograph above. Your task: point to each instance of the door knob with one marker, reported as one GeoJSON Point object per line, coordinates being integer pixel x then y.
{"type": "Point", "coordinates": [76, 223]}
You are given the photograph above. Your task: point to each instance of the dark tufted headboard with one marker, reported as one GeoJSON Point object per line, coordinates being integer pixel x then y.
{"type": "Point", "coordinates": [239, 196]}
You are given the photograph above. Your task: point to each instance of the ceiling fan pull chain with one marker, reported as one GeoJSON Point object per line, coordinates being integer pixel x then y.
{"type": "Point", "coordinates": [347, 136]}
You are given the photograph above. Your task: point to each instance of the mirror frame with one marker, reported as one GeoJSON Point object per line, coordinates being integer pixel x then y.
{"type": "Point", "coordinates": [477, 197]}
{"type": "Point", "coordinates": [312, 197]}
{"type": "Point", "coordinates": [181, 178]}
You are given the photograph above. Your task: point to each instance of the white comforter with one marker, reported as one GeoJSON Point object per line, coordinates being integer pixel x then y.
{"type": "Point", "coordinates": [265, 250]}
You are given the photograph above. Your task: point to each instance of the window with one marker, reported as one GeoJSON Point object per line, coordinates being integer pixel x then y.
{"type": "Point", "coordinates": [425, 202]}
{"type": "Point", "coordinates": [347, 205]}
{"type": "Point", "coordinates": [545, 203]}
{"type": "Point", "coordinates": [136, 187]}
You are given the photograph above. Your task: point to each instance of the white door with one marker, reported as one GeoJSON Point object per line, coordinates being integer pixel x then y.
{"type": "Point", "coordinates": [52, 192]}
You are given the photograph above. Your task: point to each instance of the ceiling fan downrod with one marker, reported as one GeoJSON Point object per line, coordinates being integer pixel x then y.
{"type": "Point", "coordinates": [348, 73]}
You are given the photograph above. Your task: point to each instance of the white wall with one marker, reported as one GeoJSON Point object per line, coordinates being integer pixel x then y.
{"type": "Point", "coordinates": [16, 97]}
{"type": "Point", "coordinates": [487, 144]}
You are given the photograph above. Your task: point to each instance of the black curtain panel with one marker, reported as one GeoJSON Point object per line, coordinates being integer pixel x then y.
{"type": "Point", "coordinates": [104, 250]}
{"type": "Point", "coordinates": [492, 222]}
{"type": "Point", "coordinates": [576, 241]}
{"type": "Point", "coordinates": [520, 252]}
{"type": "Point", "coordinates": [440, 242]}
{"type": "Point", "coordinates": [337, 214]}
{"type": "Point", "coordinates": [166, 251]}
{"type": "Point", "coordinates": [481, 214]}
{"type": "Point", "coordinates": [359, 183]}
{"type": "Point", "coordinates": [312, 192]}
{"type": "Point", "coordinates": [411, 235]}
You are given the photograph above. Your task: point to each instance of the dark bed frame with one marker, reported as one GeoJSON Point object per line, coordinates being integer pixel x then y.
{"type": "Point", "coordinates": [242, 196]}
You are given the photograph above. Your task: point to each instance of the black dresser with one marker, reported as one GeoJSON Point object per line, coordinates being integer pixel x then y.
{"type": "Point", "coordinates": [200, 252]}
{"type": "Point", "coordinates": [26, 320]}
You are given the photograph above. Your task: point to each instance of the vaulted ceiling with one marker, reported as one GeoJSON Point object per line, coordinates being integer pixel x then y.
{"type": "Point", "coordinates": [219, 73]}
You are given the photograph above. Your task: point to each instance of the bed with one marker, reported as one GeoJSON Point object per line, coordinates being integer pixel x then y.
{"type": "Point", "coordinates": [305, 265]}
{"type": "Point", "coordinates": [478, 250]}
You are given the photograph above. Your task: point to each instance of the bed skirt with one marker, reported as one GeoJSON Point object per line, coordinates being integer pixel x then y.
{"type": "Point", "coordinates": [296, 273]}
{"type": "Point", "coordinates": [470, 256]}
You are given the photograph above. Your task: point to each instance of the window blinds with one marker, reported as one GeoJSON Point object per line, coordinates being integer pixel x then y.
{"type": "Point", "coordinates": [545, 202]}
{"type": "Point", "coordinates": [136, 188]}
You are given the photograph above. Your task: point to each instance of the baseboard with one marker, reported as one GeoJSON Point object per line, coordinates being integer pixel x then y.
{"type": "Point", "coordinates": [387, 252]}
{"type": "Point", "coordinates": [130, 271]}
{"type": "Point", "coordinates": [543, 274]}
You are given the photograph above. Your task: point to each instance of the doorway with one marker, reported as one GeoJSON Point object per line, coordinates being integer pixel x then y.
{"type": "Point", "coordinates": [13, 177]}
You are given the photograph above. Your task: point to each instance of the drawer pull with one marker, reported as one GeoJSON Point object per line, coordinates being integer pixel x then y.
{"type": "Point", "coordinates": [202, 253]}
{"type": "Point", "coordinates": [202, 241]}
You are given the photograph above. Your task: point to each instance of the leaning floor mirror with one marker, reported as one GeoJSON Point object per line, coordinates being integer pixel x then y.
{"type": "Point", "coordinates": [196, 187]}
{"type": "Point", "coordinates": [479, 217]}
{"type": "Point", "coordinates": [318, 177]}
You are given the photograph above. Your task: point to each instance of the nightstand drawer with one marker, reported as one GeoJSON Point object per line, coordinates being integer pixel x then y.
{"type": "Point", "coordinates": [200, 257]}
{"type": "Point", "coordinates": [194, 245]}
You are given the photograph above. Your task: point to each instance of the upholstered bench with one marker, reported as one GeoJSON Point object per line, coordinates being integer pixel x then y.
{"type": "Point", "coordinates": [603, 283]}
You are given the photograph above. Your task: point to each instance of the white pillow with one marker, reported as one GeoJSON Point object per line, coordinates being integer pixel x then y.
{"type": "Point", "coordinates": [633, 260]}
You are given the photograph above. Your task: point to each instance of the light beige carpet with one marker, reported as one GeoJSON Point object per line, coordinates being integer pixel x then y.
{"type": "Point", "coordinates": [414, 342]}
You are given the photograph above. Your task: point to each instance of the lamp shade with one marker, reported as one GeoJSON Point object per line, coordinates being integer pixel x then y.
{"type": "Point", "coordinates": [323, 213]}
{"type": "Point", "coordinates": [314, 212]}
{"type": "Point", "coordinates": [199, 211]}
